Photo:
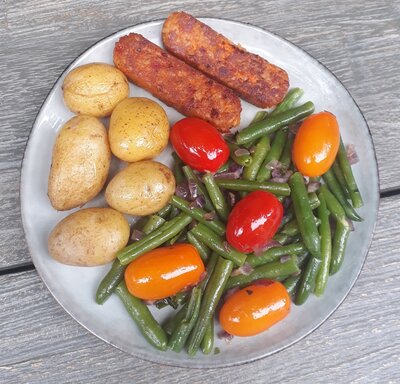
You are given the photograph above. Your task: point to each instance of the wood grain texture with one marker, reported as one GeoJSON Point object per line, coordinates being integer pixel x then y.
{"type": "Point", "coordinates": [358, 344]}
{"type": "Point", "coordinates": [356, 40]}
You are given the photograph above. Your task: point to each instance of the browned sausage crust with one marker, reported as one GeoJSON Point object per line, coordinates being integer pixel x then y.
{"type": "Point", "coordinates": [175, 83]}
{"type": "Point", "coordinates": [250, 76]}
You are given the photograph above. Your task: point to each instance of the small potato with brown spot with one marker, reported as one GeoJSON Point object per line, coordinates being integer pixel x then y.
{"type": "Point", "coordinates": [141, 188]}
{"type": "Point", "coordinates": [80, 163]}
{"type": "Point", "coordinates": [94, 89]}
{"type": "Point", "coordinates": [89, 237]}
{"type": "Point", "coordinates": [139, 129]}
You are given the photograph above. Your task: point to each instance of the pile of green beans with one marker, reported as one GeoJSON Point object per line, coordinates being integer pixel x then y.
{"type": "Point", "coordinates": [308, 248]}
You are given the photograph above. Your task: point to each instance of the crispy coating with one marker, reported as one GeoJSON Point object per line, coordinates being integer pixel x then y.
{"type": "Point", "coordinates": [175, 83]}
{"type": "Point", "coordinates": [249, 75]}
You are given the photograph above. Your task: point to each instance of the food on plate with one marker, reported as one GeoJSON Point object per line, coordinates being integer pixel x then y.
{"type": "Point", "coordinates": [199, 144]}
{"type": "Point", "coordinates": [80, 163]}
{"type": "Point", "coordinates": [142, 188]}
{"type": "Point", "coordinates": [175, 83]}
{"type": "Point", "coordinates": [251, 310]}
{"type": "Point", "coordinates": [94, 89]}
{"type": "Point", "coordinates": [254, 221]}
{"type": "Point", "coordinates": [139, 129]}
{"type": "Point", "coordinates": [89, 237]}
{"type": "Point", "coordinates": [249, 75]}
{"type": "Point", "coordinates": [316, 144]}
{"type": "Point", "coordinates": [164, 272]}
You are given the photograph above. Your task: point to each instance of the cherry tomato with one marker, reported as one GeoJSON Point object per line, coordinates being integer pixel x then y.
{"type": "Point", "coordinates": [164, 272]}
{"type": "Point", "coordinates": [254, 309]}
{"type": "Point", "coordinates": [316, 144]}
{"type": "Point", "coordinates": [199, 144]}
{"type": "Point", "coordinates": [253, 221]}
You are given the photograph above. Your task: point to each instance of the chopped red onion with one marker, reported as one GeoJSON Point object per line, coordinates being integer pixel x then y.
{"type": "Point", "coordinates": [182, 190]}
{"type": "Point", "coordinates": [230, 292]}
{"type": "Point", "coordinates": [230, 137]}
{"type": "Point", "coordinates": [306, 179]}
{"type": "Point", "coordinates": [234, 172]}
{"type": "Point", "coordinates": [245, 269]}
{"type": "Point", "coordinates": [351, 224]}
{"type": "Point", "coordinates": [284, 259]}
{"type": "Point", "coordinates": [231, 199]}
{"type": "Point", "coordinates": [286, 202]}
{"type": "Point", "coordinates": [193, 189]}
{"type": "Point", "coordinates": [202, 276]}
{"type": "Point", "coordinates": [210, 216]}
{"type": "Point", "coordinates": [198, 202]}
{"type": "Point", "coordinates": [223, 335]}
{"type": "Point", "coordinates": [137, 235]}
{"type": "Point", "coordinates": [226, 246]}
{"type": "Point", "coordinates": [270, 244]}
{"type": "Point", "coordinates": [313, 186]}
{"type": "Point", "coordinates": [273, 164]}
{"type": "Point", "coordinates": [242, 152]}
{"type": "Point", "coordinates": [252, 149]}
{"type": "Point", "coordinates": [293, 128]}
{"type": "Point", "coordinates": [192, 224]}
{"type": "Point", "coordinates": [352, 154]}
{"type": "Point", "coordinates": [149, 302]}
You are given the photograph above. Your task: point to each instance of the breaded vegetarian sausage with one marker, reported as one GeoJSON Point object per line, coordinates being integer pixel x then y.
{"type": "Point", "coordinates": [249, 75]}
{"type": "Point", "coordinates": [175, 83]}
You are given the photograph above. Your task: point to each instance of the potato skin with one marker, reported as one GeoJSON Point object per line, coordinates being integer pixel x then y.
{"type": "Point", "coordinates": [80, 163]}
{"type": "Point", "coordinates": [139, 129]}
{"type": "Point", "coordinates": [94, 89]}
{"type": "Point", "coordinates": [141, 188]}
{"type": "Point", "coordinates": [89, 237]}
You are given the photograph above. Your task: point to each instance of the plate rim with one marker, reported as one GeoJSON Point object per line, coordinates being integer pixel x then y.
{"type": "Point", "coordinates": [240, 361]}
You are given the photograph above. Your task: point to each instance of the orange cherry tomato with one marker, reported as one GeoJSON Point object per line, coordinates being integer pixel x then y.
{"type": "Point", "coordinates": [316, 144]}
{"type": "Point", "coordinates": [164, 272]}
{"type": "Point", "coordinates": [254, 309]}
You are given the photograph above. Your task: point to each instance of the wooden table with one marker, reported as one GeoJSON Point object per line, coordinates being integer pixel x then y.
{"type": "Point", "coordinates": [357, 40]}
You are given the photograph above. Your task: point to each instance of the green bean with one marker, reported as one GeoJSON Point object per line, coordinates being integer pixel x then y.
{"type": "Point", "coordinates": [272, 271]}
{"type": "Point", "coordinates": [307, 281]}
{"type": "Point", "coordinates": [340, 178]}
{"type": "Point", "coordinates": [302, 259]}
{"type": "Point", "coordinates": [335, 188]}
{"type": "Point", "coordinates": [334, 207]}
{"type": "Point", "coordinates": [280, 189]}
{"type": "Point", "coordinates": [177, 168]}
{"type": "Point", "coordinates": [260, 115]}
{"type": "Point", "coordinates": [209, 270]}
{"type": "Point", "coordinates": [178, 299]}
{"type": "Point", "coordinates": [273, 123]}
{"type": "Point", "coordinates": [243, 160]}
{"type": "Point", "coordinates": [203, 250]}
{"type": "Point", "coordinates": [281, 238]}
{"type": "Point", "coordinates": [116, 273]}
{"type": "Point", "coordinates": [345, 166]}
{"type": "Point", "coordinates": [290, 100]}
{"type": "Point", "coordinates": [212, 295]}
{"type": "Point", "coordinates": [286, 218]}
{"type": "Point", "coordinates": [110, 281]}
{"type": "Point", "coordinates": [164, 212]}
{"type": "Point", "coordinates": [340, 237]}
{"type": "Point", "coordinates": [181, 237]}
{"type": "Point", "coordinates": [143, 318]}
{"type": "Point", "coordinates": [182, 330]}
{"type": "Point", "coordinates": [192, 178]}
{"type": "Point", "coordinates": [216, 196]}
{"type": "Point", "coordinates": [213, 241]}
{"type": "Point", "coordinates": [273, 155]}
{"type": "Point", "coordinates": [153, 222]}
{"type": "Point", "coordinates": [291, 228]}
{"type": "Point", "coordinates": [275, 253]}
{"type": "Point", "coordinates": [313, 199]}
{"type": "Point", "coordinates": [198, 214]}
{"type": "Point", "coordinates": [261, 150]}
{"type": "Point", "coordinates": [173, 213]}
{"type": "Point", "coordinates": [286, 156]}
{"type": "Point", "coordinates": [291, 284]}
{"type": "Point", "coordinates": [304, 215]}
{"type": "Point", "coordinates": [207, 343]}
{"type": "Point", "coordinates": [326, 247]}
{"type": "Point", "coordinates": [126, 255]}
{"type": "Point", "coordinates": [173, 321]}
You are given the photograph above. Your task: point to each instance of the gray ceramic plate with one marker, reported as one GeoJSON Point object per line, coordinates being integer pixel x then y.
{"type": "Point", "coordinates": [74, 287]}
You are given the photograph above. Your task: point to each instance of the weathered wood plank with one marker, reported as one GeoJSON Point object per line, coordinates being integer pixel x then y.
{"type": "Point", "coordinates": [358, 344]}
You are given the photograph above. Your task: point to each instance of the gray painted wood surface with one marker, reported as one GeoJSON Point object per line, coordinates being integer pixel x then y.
{"type": "Point", "coordinates": [359, 41]}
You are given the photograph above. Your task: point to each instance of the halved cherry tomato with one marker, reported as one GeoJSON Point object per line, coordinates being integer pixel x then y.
{"type": "Point", "coordinates": [253, 221]}
{"type": "Point", "coordinates": [199, 144]}
{"type": "Point", "coordinates": [164, 272]}
{"type": "Point", "coordinates": [254, 309]}
{"type": "Point", "coordinates": [316, 144]}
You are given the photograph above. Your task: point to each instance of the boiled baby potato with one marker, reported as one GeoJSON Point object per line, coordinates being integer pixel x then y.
{"type": "Point", "coordinates": [139, 129]}
{"type": "Point", "coordinates": [89, 237]}
{"type": "Point", "coordinates": [141, 188]}
{"type": "Point", "coordinates": [80, 163]}
{"type": "Point", "coordinates": [94, 89]}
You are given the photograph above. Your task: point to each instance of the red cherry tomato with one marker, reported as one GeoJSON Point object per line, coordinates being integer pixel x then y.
{"type": "Point", "coordinates": [254, 309]}
{"type": "Point", "coordinates": [316, 144]}
{"type": "Point", "coordinates": [164, 272]}
{"type": "Point", "coordinates": [199, 144]}
{"type": "Point", "coordinates": [253, 221]}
